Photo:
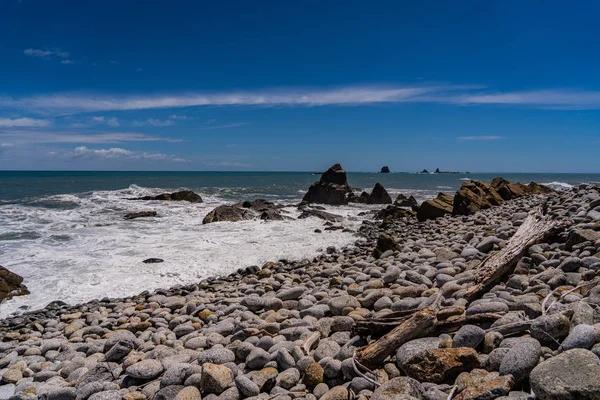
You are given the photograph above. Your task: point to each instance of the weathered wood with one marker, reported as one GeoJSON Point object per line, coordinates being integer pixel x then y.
{"type": "Point", "coordinates": [418, 325]}
{"type": "Point", "coordinates": [453, 325]}
{"type": "Point", "coordinates": [537, 227]}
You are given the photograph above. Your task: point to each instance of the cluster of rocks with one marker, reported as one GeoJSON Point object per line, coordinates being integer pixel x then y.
{"type": "Point", "coordinates": [246, 210]}
{"type": "Point", "coordinates": [333, 188]}
{"type": "Point", "coordinates": [287, 330]}
{"type": "Point", "coordinates": [474, 196]}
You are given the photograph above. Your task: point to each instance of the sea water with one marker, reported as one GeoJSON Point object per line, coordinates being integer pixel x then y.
{"type": "Point", "coordinates": [64, 232]}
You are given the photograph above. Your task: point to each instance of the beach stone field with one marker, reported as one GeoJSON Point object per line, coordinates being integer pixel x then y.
{"type": "Point", "coordinates": [297, 329]}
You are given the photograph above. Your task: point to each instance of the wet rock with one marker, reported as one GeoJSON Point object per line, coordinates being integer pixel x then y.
{"type": "Point", "coordinates": [11, 284]}
{"type": "Point", "coordinates": [184, 195]}
{"type": "Point", "coordinates": [141, 214]}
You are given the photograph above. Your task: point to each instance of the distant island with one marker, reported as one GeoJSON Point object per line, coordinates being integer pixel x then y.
{"type": "Point", "coordinates": [385, 170]}
{"type": "Point", "coordinates": [437, 171]}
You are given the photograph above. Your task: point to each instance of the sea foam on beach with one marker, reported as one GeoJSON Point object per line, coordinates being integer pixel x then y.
{"type": "Point", "coordinates": [76, 248]}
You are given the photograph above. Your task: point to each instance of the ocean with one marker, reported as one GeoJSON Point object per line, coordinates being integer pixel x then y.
{"type": "Point", "coordinates": [64, 232]}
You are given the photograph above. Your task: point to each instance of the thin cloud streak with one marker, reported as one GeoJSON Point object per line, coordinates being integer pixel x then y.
{"type": "Point", "coordinates": [78, 103]}
{"type": "Point", "coordinates": [225, 126]}
{"type": "Point", "coordinates": [89, 138]}
{"type": "Point", "coordinates": [73, 103]}
{"type": "Point", "coordinates": [24, 122]}
{"type": "Point", "coordinates": [463, 138]}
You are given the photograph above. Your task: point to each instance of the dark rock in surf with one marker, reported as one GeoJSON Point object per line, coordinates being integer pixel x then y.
{"type": "Point", "coordinates": [385, 170]}
{"type": "Point", "coordinates": [11, 284]}
{"type": "Point", "coordinates": [153, 260]}
{"type": "Point", "coordinates": [246, 210]}
{"type": "Point", "coordinates": [379, 195]}
{"type": "Point", "coordinates": [141, 214]}
{"type": "Point", "coordinates": [183, 195]}
{"type": "Point", "coordinates": [321, 214]}
{"type": "Point", "coordinates": [332, 188]}
{"type": "Point", "coordinates": [424, 171]}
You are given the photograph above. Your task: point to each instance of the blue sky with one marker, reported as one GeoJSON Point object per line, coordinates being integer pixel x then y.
{"type": "Point", "coordinates": [271, 85]}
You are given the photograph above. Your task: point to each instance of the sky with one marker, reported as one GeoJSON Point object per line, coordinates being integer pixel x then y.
{"type": "Point", "coordinates": [484, 86]}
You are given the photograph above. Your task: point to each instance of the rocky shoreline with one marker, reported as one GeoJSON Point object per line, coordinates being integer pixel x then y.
{"type": "Point", "coordinates": [289, 329]}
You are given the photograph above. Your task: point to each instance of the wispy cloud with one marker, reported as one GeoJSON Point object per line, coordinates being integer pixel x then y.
{"type": "Point", "coordinates": [45, 53]}
{"type": "Point", "coordinates": [548, 99]}
{"type": "Point", "coordinates": [227, 164]}
{"type": "Point", "coordinates": [108, 121]}
{"type": "Point", "coordinates": [76, 103]}
{"type": "Point", "coordinates": [24, 122]}
{"type": "Point", "coordinates": [72, 103]}
{"type": "Point", "coordinates": [462, 138]}
{"type": "Point", "coordinates": [113, 153]}
{"type": "Point", "coordinates": [87, 137]}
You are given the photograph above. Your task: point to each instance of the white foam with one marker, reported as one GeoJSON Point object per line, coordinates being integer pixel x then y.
{"type": "Point", "coordinates": [558, 185]}
{"type": "Point", "coordinates": [89, 251]}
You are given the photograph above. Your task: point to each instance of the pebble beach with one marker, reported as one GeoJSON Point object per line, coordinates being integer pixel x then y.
{"type": "Point", "coordinates": [288, 329]}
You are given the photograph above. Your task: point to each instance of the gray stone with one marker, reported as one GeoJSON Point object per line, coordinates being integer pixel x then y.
{"type": "Point", "coordinates": [292, 293]}
{"type": "Point", "coordinates": [468, 336]}
{"type": "Point", "coordinates": [581, 337]}
{"type": "Point", "coordinates": [257, 358]}
{"type": "Point", "coordinates": [549, 329]}
{"type": "Point", "coordinates": [108, 395]}
{"type": "Point", "coordinates": [521, 359]}
{"type": "Point", "coordinates": [574, 374]}
{"type": "Point", "coordinates": [570, 264]}
{"type": "Point", "coordinates": [59, 393]}
{"type": "Point", "coordinates": [246, 386]}
{"type": "Point", "coordinates": [145, 369]}
{"type": "Point", "coordinates": [216, 355]}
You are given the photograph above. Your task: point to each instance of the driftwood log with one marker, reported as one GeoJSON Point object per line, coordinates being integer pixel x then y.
{"type": "Point", "coordinates": [400, 327]}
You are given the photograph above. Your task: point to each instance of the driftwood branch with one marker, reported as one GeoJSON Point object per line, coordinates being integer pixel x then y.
{"type": "Point", "coordinates": [536, 228]}
{"type": "Point", "coordinates": [418, 325]}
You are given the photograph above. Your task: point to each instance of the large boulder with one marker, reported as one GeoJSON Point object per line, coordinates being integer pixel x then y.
{"type": "Point", "coordinates": [246, 210]}
{"type": "Point", "coordinates": [574, 374]}
{"type": "Point", "coordinates": [11, 284]}
{"type": "Point", "coordinates": [436, 208]}
{"type": "Point", "coordinates": [306, 213]}
{"type": "Point", "coordinates": [379, 195]}
{"type": "Point", "coordinates": [332, 188]}
{"type": "Point", "coordinates": [183, 195]}
{"type": "Point", "coordinates": [474, 196]}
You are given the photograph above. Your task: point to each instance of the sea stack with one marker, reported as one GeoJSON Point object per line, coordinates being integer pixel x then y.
{"type": "Point", "coordinates": [332, 188]}
{"type": "Point", "coordinates": [385, 170]}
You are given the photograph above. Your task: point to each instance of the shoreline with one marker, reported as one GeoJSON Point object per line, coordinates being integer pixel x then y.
{"type": "Point", "coordinates": [289, 328]}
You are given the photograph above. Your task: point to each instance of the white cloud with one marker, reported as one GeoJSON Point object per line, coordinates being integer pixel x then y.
{"type": "Point", "coordinates": [154, 122]}
{"type": "Point", "coordinates": [67, 62]}
{"type": "Point", "coordinates": [108, 121]}
{"type": "Point", "coordinates": [113, 153]}
{"type": "Point", "coordinates": [226, 164]}
{"type": "Point", "coordinates": [85, 137]}
{"type": "Point", "coordinates": [23, 122]}
{"type": "Point", "coordinates": [75, 103]}
{"type": "Point", "coordinates": [71, 103]}
{"type": "Point", "coordinates": [462, 138]}
{"type": "Point", "coordinates": [45, 53]}
{"type": "Point", "coordinates": [548, 98]}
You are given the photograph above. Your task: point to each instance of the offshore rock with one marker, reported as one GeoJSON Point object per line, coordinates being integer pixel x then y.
{"type": "Point", "coordinates": [183, 195]}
